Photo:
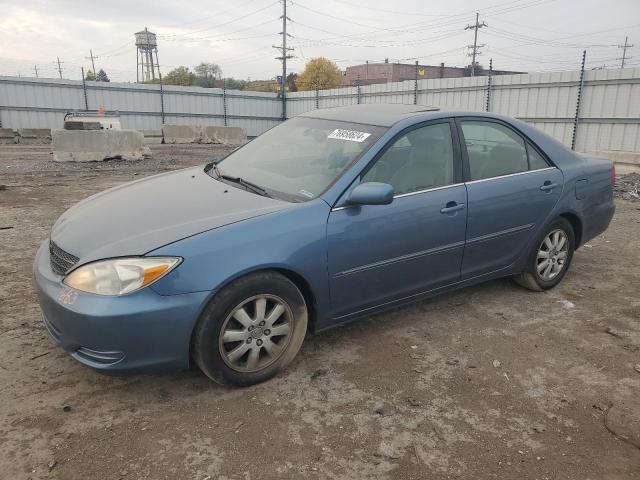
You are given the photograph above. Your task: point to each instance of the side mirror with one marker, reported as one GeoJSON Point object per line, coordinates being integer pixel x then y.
{"type": "Point", "coordinates": [371, 193]}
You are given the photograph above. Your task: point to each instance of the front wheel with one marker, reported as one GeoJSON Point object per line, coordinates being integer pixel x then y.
{"type": "Point", "coordinates": [251, 330]}
{"type": "Point", "coordinates": [550, 258]}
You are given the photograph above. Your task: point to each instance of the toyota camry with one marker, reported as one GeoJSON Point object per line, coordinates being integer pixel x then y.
{"type": "Point", "coordinates": [331, 215]}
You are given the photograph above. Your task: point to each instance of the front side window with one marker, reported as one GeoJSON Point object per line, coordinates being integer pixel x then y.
{"type": "Point", "coordinates": [300, 158]}
{"type": "Point", "coordinates": [493, 150]}
{"type": "Point", "coordinates": [419, 160]}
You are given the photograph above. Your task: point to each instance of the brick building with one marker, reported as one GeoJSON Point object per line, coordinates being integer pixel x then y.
{"type": "Point", "coordinates": [370, 73]}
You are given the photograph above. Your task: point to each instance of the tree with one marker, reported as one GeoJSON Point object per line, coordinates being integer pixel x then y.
{"type": "Point", "coordinates": [262, 86]}
{"type": "Point", "coordinates": [180, 76]}
{"type": "Point", "coordinates": [319, 73]}
{"type": "Point", "coordinates": [207, 74]}
{"type": "Point", "coordinates": [291, 84]}
{"type": "Point", "coordinates": [479, 70]}
{"type": "Point", "coordinates": [102, 76]}
{"type": "Point", "coordinates": [90, 76]}
{"type": "Point", "coordinates": [233, 84]}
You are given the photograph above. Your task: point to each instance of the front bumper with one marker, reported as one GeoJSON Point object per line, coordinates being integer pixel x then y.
{"type": "Point", "coordinates": [136, 331]}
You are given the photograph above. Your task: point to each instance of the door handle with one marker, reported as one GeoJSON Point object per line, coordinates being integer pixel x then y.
{"type": "Point", "coordinates": [548, 186]}
{"type": "Point", "coordinates": [452, 207]}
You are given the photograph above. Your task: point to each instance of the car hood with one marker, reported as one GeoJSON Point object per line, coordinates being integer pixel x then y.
{"type": "Point", "coordinates": [140, 216]}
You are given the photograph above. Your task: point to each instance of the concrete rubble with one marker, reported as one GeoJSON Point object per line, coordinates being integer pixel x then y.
{"type": "Point", "coordinates": [628, 186]}
{"type": "Point", "coordinates": [97, 145]}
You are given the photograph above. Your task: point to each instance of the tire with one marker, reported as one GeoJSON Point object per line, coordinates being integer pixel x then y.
{"type": "Point", "coordinates": [262, 312]}
{"type": "Point", "coordinates": [538, 275]}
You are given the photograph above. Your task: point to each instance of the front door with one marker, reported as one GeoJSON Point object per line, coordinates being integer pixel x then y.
{"type": "Point", "coordinates": [382, 253]}
{"type": "Point", "coordinates": [511, 190]}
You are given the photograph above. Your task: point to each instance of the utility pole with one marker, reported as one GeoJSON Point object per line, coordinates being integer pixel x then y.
{"type": "Point", "coordinates": [624, 51]}
{"type": "Point", "coordinates": [93, 65]}
{"type": "Point", "coordinates": [475, 47]}
{"type": "Point", "coordinates": [35, 69]}
{"type": "Point", "coordinates": [284, 50]}
{"type": "Point", "coordinates": [59, 67]}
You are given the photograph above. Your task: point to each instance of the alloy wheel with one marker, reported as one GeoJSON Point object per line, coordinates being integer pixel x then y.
{"type": "Point", "coordinates": [256, 333]}
{"type": "Point", "coordinates": [552, 255]}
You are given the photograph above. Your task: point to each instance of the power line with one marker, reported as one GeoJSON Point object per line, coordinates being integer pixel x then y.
{"type": "Point", "coordinates": [475, 47]}
{"type": "Point", "coordinates": [624, 51]}
{"type": "Point", "coordinates": [442, 34]}
{"type": "Point", "coordinates": [213, 37]}
{"type": "Point", "coordinates": [531, 40]}
{"type": "Point", "coordinates": [186, 34]}
{"type": "Point", "coordinates": [208, 17]}
{"type": "Point", "coordinates": [419, 26]}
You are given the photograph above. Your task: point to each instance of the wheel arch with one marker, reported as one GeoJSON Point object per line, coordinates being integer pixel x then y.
{"type": "Point", "coordinates": [305, 288]}
{"type": "Point", "coordinates": [295, 277]}
{"type": "Point", "coordinates": [576, 224]}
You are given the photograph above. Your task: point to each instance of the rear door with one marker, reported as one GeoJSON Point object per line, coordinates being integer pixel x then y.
{"type": "Point", "coordinates": [511, 189]}
{"type": "Point", "coordinates": [382, 253]}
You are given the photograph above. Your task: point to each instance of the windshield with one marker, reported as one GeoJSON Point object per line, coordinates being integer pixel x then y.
{"type": "Point", "coordinates": [300, 158]}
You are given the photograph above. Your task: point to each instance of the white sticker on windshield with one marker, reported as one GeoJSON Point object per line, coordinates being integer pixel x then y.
{"type": "Point", "coordinates": [306, 193]}
{"type": "Point", "coordinates": [351, 135]}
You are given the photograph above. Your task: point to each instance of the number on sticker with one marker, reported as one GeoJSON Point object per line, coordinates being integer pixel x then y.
{"type": "Point", "coordinates": [351, 135]}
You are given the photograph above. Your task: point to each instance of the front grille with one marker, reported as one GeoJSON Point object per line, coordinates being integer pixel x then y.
{"type": "Point", "coordinates": [61, 261]}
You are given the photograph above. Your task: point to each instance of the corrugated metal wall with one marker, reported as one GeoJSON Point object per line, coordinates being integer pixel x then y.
{"type": "Point", "coordinates": [609, 113]}
{"type": "Point", "coordinates": [42, 103]}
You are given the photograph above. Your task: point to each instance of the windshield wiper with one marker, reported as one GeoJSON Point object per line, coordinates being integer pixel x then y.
{"type": "Point", "coordinates": [240, 181]}
{"type": "Point", "coordinates": [245, 183]}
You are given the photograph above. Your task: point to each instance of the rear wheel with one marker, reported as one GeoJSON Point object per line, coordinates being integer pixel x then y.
{"type": "Point", "coordinates": [251, 330]}
{"type": "Point", "coordinates": [550, 258]}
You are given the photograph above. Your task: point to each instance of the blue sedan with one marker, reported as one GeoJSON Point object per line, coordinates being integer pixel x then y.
{"type": "Point", "coordinates": [331, 215]}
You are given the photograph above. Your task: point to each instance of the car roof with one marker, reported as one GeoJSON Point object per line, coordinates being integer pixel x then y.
{"type": "Point", "coordinates": [379, 114]}
{"type": "Point", "coordinates": [387, 115]}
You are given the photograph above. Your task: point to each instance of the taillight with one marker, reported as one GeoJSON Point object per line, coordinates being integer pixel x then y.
{"type": "Point", "coordinates": [613, 174]}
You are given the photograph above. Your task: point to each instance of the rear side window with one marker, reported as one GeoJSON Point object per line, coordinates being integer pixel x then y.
{"type": "Point", "coordinates": [536, 161]}
{"type": "Point", "coordinates": [493, 150]}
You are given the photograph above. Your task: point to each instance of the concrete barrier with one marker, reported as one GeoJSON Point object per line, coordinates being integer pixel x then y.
{"type": "Point", "coordinates": [203, 134]}
{"type": "Point", "coordinates": [225, 135]}
{"type": "Point", "coordinates": [34, 136]}
{"type": "Point", "coordinates": [182, 133]}
{"type": "Point", "coordinates": [97, 145]}
{"type": "Point", "coordinates": [7, 137]}
{"type": "Point", "coordinates": [152, 136]}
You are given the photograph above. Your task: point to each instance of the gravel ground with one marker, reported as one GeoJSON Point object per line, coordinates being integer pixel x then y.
{"type": "Point", "coordinates": [489, 382]}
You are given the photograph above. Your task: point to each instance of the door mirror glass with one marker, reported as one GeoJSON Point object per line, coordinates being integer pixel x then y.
{"type": "Point", "coordinates": [371, 193]}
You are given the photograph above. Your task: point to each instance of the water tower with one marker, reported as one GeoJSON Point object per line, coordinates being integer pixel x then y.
{"type": "Point", "coordinates": [147, 67]}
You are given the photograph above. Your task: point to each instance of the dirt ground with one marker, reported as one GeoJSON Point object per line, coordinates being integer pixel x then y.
{"type": "Point", "coordinates": [493, 381]}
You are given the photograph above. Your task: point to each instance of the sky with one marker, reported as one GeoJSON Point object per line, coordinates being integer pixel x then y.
{"type": "Point", "coordinates": [523, 35]}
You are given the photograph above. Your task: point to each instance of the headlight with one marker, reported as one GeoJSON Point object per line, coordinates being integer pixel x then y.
{"type": "Point", "coordinates": [120, 275]}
